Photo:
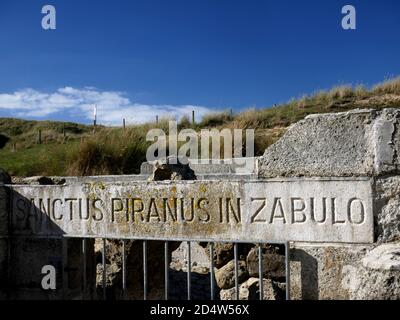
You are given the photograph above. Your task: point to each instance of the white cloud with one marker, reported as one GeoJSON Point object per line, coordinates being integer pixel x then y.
{"type": "Point", "coordinates": [112, 106]}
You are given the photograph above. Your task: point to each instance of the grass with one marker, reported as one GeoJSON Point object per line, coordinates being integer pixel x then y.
{"type": "Point", "coordinates": [45, 159]}
{"type": "Point", "coordinates": [114, 151]}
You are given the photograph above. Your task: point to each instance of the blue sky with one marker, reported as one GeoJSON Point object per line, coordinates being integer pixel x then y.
{"type": "Point", "coordinates": [136, 58]}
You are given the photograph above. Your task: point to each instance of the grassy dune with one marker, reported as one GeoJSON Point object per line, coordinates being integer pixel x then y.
{"type": "Point", "coordinates": [73, 149]}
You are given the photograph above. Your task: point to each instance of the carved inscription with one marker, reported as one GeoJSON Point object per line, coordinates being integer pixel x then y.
{"type": "Point", "coordinates": [302, 210]}
{"type": "Point", "coordinates": [299, 211]}
{"type": "Point", "coordinates": [129, 210]}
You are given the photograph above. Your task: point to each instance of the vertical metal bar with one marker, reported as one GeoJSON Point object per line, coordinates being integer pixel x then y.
{"type": "Point", "coordinates": [212, 270]}
{"type": "Point", "coordinates": [65, 268]}
{"type": "Point", "coordinates": [144, 269]}
{"type": "Point", "coordinates": [287, 267]}
{"type": "Point", "coordinates": [260, 272]}
{"type": "Point", "coordinates": [189, 270]}
{"type": "Point", "coordinates": [123, 269]}
{"type": "Point", "coordinates": [235, 252]}
{"type": "Point", "coordinates": [84, 266]}
{"type": "Point", "coordinates": [104, 270]}
{"type": "Point", "coordinates": [166, 268]}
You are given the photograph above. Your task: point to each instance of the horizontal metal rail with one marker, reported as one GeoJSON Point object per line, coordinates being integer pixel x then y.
{"type": "Point", "coordinates": [170, 239]}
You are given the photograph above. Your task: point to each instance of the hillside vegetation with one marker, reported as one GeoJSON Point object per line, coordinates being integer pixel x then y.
{"type": "Point", "coordinates": [74, 149]}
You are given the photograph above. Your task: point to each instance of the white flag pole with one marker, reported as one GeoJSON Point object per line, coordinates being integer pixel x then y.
{"type": "Point", "coordinates": [95, 115]}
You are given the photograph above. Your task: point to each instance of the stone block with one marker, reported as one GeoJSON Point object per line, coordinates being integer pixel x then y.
{"type": "Point", "coordinates": [273, 264]}
{"type": "Point", "coordinates": [319, 210]}
{"type": "Point", "coordinates": [225, 276]}
{"type": "Point", "coordinates": [354, 143]}
{"type": "Point", "coordinates": [249, 290]}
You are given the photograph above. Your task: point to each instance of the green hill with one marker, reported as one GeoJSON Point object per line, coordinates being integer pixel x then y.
{"type": "Point", "coordinates": [73, 149]}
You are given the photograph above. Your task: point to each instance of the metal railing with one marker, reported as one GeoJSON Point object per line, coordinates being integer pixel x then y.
{"type": "Point", "coordinates": [189, 267]}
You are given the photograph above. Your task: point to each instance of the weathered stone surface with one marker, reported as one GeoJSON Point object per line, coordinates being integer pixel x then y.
{"type": "Point", "coordinates": [224, 166]}
{"type": "Point", "coordinates": [387, 213]}
{"type": "Point", "coordinates": [249, 290]}
{"type": "Point", "coordinates": [374, 285]}
{"type": "Point", "coordinates": [377, 277]}
{"type": "Point", "coordinates": [39, 180]}
{"type": "Point", "coordinates": [223, 252]}
{"type": "Point", "coordinates": [321, 210]}
{"type": "Point", "coordinates": [273, 264]}
{"type": "Point", "coordinates": [317, 271]}
{"type": "Point", "coordinates": [384, 258]}
{"type": "Point", "coordinates": [199, 258]}
{"type": "Point", "coordinates": [146, 168]}
{"type": "Point", "coordinates": [96, 179]}
{"type": "Point", "coordinates": [225, 276]}
{"type": "Point", "coordinates": [345, 272]}
{"type": "Point", "coordinates": [386, 139]}
{"type": "Point", "coordinates": [354, 143]}
{"type": "Point", "coordinates": [209, 167]}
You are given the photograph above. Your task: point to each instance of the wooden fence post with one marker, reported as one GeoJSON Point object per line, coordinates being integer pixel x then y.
{"type": "Point", "coordinates": [64, 132]}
